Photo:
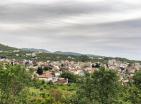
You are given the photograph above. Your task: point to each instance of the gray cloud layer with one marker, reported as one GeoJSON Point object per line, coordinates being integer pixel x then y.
{"type": "Point", "coordinates": [98, 27]}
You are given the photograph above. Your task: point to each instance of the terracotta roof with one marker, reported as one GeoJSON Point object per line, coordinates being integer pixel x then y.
{"type": "Point", "coordinates": [62, 81]}
{"type": "Point", "coordinates": [46, 75]}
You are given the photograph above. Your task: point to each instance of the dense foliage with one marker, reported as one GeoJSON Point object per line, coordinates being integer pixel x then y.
{"type": "Point", "coordinates": [13, 82]}
{"type": "Point", "coordinates": [70, 76]}
{"type": "Point", "coordinates": [137, 79]}
{"type": "Point", "coordinates": [100, 87]}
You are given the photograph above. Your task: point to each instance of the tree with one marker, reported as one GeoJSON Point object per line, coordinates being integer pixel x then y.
{"type": "Point", "coordinates": [13, 79]}
{"type": "Point", "coordinates": [134, 89]}
{"type": "Point", "coordinates": [47, 68]}
{"type": "Point", "coordinates": [137, 79]}
{"type": "Point", "coordinates": [40, 70]}
{"type": "Point", "coordinates": [70, 76]}
{"type": "Point", "coordinates": [134, 94]}
{"type": "Point", "coordinates": [101, 87]}
{"type": "Point", "coordinates": [84, 58]}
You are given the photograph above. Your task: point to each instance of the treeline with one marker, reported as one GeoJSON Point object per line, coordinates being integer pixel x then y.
{"type": "Point", "coordinates": [57, 57]}
{"type": "Point", "coordinates": [104, 87]}
{"type": "Point", "coordinates": [18, 86]}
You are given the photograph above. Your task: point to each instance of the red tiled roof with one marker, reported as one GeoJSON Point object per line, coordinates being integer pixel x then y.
{"type": "Point", "coordinates": [46, 75]}
{"type": "Point", "coordinates": [62, 81]}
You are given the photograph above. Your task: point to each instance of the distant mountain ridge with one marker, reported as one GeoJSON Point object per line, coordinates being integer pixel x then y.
{"type": "Point", "coordinates": [7, 48]}
{"type": "Point", "coordinates": [68, 53]}
{"type": "Point", "coordinates": [27, 50]}
{"type": "Point", "coordinates": [35, 50]}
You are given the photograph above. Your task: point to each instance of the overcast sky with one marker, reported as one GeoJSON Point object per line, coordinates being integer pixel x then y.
{"type": "Point", "coordinates": [101, 27]}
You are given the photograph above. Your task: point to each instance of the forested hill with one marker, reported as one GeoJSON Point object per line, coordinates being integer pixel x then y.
{"type": "Point", "coordinates": [6, 48]}
{"type": "Point", "coordinates": [43, 55]}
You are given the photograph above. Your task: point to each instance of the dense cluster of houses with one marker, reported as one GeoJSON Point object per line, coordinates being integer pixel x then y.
{"type": "Point", "coordinates": [53, 69]}
{"type": "Point", "coordinates": [126, 70]}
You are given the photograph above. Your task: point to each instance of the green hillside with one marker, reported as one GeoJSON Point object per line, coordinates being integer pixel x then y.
{"type": "Point", "coordinates": [6, 48]}
{"type": "Point", "coordinates": [19, 54]}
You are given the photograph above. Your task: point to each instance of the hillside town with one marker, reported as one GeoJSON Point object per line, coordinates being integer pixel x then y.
{"type": "Point", "coordinates": [50, 71]}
